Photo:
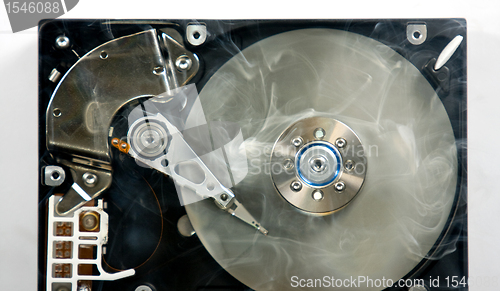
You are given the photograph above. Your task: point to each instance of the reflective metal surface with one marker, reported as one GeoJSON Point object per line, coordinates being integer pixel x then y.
{"type": "Point", "coordinates": [53, 176]}
{"type": "Point", "coordinates": [54, 76]}
{"type": "Point", "coordinates": [82, 191]}
{"type": "Point", "coordinates": [409, 144]}
{"type": "Point", "coordinates": [416, 33]}
{"type": "Point", "coordinates": [182, 64]}
{"type": "Point", "coordinates": [62, 42]}
{"type": "Point", "coordinates": [184, 226]}
{"type": "Point", "coordinates": [88, 96]}
{"type": "Point", "coordinates": [93, 90]}
{"type": "Point", "coordinates": [168, 161]}
{"type": "Point", "coordinates": [318, 164]}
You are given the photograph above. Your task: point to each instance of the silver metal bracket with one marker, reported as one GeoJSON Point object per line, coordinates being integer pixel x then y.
{"type": "Point", "coordinates": [53, 176]}
{"type": "Point", "coordinates": [416, 33]}
{"type": "Point", "coordinates": [94, 89]}
{"type": "Point", "coordinates": [81, 190]}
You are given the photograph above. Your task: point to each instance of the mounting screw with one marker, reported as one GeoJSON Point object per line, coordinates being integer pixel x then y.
{"type": "Point", "coordinates": [287, 164]}
{"type": "Point", "coordinates": [340, 142]}
{"type": "Point", "coordinates": [339, 186]}
{"type": "Point", "coordinates": [90, 221]}
{"type": "Point", "coordinates": [224, 196]}
{"type": "Point", "coordinates": [183, 63]}
{"type": "Point", "coordinates": [296, 186]}
{"type": "Point", "coordinates": [297, 141]}
{"type": "Point", "coordinates": [89, 179]}
{"type": "Point", "coordinates": [62, 42]}
{"type": "Point", "coordinates": [349, 165]}
{"type": "Point", "coordinates": [317, 195]}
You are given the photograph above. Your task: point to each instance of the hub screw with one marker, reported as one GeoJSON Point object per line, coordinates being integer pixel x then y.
{"type": "Point", "coordinates": [297, 141]}
{"type": "Point", "coordinates": [340, 142]}
{"type": "Point", "coordinates": [349, 165]}
{"type": "Point", "coordinates": [296, 186]}
{"type": "Point", "coordinates": [339, 186]}
{"type": "Point", "coordinates": [288, 164]}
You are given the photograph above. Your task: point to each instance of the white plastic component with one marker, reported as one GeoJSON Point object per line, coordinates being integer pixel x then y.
{"type": "Point", "coordinates": [196, 34]}
{"type": "Point", "coordinates": [77, 238]}
{"type": "Point", "coordinates": [448, 51]}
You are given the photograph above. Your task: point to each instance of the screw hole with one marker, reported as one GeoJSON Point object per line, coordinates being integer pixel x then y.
{"type": "Point", "coordinates": [196, 35]}
{"type": "Point", "coordinates": [158, 70]}
{"type": "Point", "coordinates": [417, 34]}
{"type": "Point", "coordinates": [319, 133]}
{"type": "Point", "coordinates": [103, 55]}
{"type": "Point", "coordinates": [349, 165]}
{"type": "Point", "coordinates": [55, 176]}
{"type": "Point", "coordinates": [164, 163]}
{"type": "Point", "coordinates": [57, 112]}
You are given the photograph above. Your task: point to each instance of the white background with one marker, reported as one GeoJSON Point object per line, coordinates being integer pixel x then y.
{"type": "Point", "coordinates": [18, 112]}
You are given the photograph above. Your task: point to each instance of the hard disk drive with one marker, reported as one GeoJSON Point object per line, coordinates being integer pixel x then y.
{"type": "Point", "coordinates": [252, 155]}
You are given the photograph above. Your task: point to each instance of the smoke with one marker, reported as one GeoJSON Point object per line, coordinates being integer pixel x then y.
{"type": "Point", "coordinates": [411, 178]}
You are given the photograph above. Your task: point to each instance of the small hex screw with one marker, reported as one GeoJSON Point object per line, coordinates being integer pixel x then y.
{"type": "Point", "coordinates": [296, 186]}
{"type": "Point", "coordinates": [288, 164]}
{"type": "Point", "coordinates": [297, 141]}
{"type": "Point", "coordinates": [90, 179]}
{"type": "Point", "coordinates": [349, 165]}
{"type": "Point", "coordinates": [62, 42]}
{"type": "Point", "coordinates": [340, 142]}
{"type": "Point", "coordinates": [339, 186]}
{"type": "Point", "coordinates": [183, 63]}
